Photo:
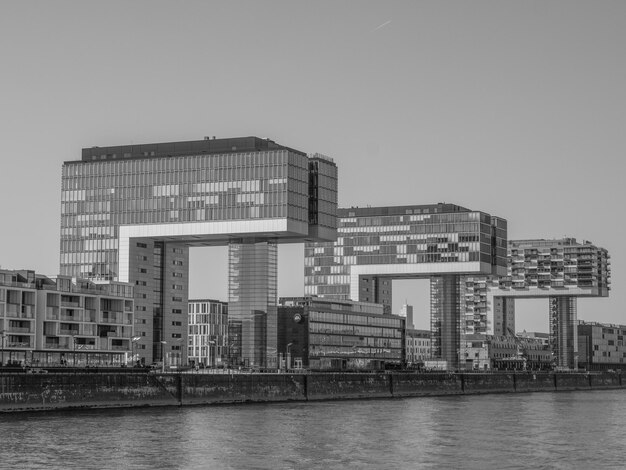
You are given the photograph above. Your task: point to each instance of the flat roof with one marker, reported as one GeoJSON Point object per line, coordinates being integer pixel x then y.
{"type": "Point", "coordinates": [209, 146]}
{"type": "Point", "coordinates": [439, 208]}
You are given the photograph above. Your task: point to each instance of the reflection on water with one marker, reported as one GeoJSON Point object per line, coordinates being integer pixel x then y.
{"type": "Point", "coordinates": [535, 430]}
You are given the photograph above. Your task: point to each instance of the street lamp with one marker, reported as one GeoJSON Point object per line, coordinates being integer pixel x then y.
{"type": "Point", "coordinates": [163, 343]}
{"type": "Point", "coordinates": [74, 347]}
{"type": "Point", "coordinates": [2, 336]}
{"type": "Point", "coordinates": [133, 340]}
{"type": "Point", "coordinates": [288, 358]}
{"type": "Point", "coordinates": [214, 353]}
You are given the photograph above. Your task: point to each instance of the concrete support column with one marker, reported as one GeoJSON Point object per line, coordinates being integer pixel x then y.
{"type": "Point", "coordinates": [252, 303]}
{"type": "Point", "coordinates": [564, 331]}
{"type": "Point", "coordinates": [445, 318]}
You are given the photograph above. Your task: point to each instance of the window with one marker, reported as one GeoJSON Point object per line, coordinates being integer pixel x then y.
{"type": "Point", "coordinates": [177, 299]}
{"type": "Point", "coordinates": [177, 323]}
{"type": "Point", "coordinates": [176, 335]}
{"type": "Point", "coordinates": [177, 310]}
{"type": "Point", "coordinates": [142, 245]}
{"type": "Point", "coordinates": [177, 287]}
{"type": "Point", "coordinates": [179, 251]}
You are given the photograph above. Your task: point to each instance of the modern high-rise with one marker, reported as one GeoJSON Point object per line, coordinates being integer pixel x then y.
{"type": "Point", "coordinates": [441, 242]}
{"type": "Point", "coordinates": [130, 213]}
{"type": "Point", "coordinates": [559, 270]}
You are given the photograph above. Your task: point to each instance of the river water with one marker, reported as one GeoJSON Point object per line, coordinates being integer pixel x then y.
{"type": "Point", "coordinates": [507, 431]}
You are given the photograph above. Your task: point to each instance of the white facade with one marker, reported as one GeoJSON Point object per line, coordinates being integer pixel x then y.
{"type": "Point", "coordinates": [208, 332]}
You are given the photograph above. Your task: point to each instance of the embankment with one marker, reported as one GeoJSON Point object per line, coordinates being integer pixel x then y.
{"type": "Point", "coordinates": [65, 390]}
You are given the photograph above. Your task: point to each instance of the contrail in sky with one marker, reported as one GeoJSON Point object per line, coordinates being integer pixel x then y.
{"type": "Point", "coordinates": [381, 26]}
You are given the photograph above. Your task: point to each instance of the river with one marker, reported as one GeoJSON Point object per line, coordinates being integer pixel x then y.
{"type": "Point", "coordinates": [505, 431]}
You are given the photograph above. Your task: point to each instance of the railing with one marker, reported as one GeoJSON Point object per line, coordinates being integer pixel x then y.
{"type": "Point", "coordinates": [65, 317]}
{"type": "Point", "coordinates": [18, 329]}
{"type": "Point", "coordinates": [69, 332]}
{"type": "Point", "coordinates": [52, 314]}
{"type": "Point", "coordinates": [67, 303]}
{"type": "Point", "coordinates": [12, 308]}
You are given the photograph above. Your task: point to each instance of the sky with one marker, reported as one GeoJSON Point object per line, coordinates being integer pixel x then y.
{"type": "Point", "coordinates": [514, 108]}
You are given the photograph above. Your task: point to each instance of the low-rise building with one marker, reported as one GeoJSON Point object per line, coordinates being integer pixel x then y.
{"type": "Point", "coordinates": [417, 344]}
{"type": "Point", "coordinates": [329, 334]}
{"type": "Point", "coordinates": [507, 352]}
{"type": "Point", "coordinates": [208, 332]}
{"type": "Point", "coordinates": [475, 352]}
{"type": "Point", "coordinates": [601, 346]}
{"type": "Point", "coordinates": [64, 321]}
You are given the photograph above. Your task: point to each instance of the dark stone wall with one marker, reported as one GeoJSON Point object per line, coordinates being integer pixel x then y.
{"type": "Point", "coordinates": [33, 392]}
{"type": "Point", "coordinates": [569, 381]}
{"type": "Point", "coordinates": [50, 391]}
{"type": "Point", "coordinates": [222, 388]}
{"type": "Point", "coordinates": [532, 382]}
{"type": "Point", "coordinates": [416, 385]}
{"type": "Point", "coordinates": [342, 386]}
{"type": "Point", "coordinates": [488, 383]}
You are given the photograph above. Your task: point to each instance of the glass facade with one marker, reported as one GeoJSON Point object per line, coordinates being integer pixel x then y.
{"type": "Point", "coordinates": [252, 297]}
{"type": "Point", "coordinates": [441, 235]}
{"type": "Point", "coordinates": [340, 335]}
{"type": "Point", "coordinates": [439, 241]}
{"type": "Point", "coordinates": [130, 213]}
{"type": "Point", "coordinates": [100, 196]}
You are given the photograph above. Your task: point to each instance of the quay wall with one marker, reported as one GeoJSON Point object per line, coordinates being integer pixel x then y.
{"type": "Point", "coordinates": [65, 390]}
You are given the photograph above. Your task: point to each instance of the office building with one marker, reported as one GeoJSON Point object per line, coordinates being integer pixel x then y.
{"type": "Point", "coordinates": [330, 334]}
{"type": "Point", "coordinates": [208, 333]}
{"type": "Point", "coordinates": [406, 311]}
{"type": "Point", "coordinates": [131, 213]}
{"type": "Point", "coordinates": [601, 346]}
{"type": "Point", "coordinates": [64, 321]}
{"type": "Point", "coordinates": [441, 242]}
{"type": "Point", "coordinates": [417, 346]}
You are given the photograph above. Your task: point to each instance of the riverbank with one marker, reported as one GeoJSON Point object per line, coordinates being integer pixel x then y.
{"type": "Point", "coordinates": [66, 390]}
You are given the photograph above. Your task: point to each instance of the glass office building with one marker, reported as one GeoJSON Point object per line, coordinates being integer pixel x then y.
{"type": "Point", "coordinates": [130, 213]}
{"type": "Point", "coordinates": [326, 334]}
{"type": "Point", "coordinates": [440, 242]}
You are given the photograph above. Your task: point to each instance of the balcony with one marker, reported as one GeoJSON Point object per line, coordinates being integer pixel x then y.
{"type": "Point", "coordinates": [18, 329]}
{"type": "Point", "coordinates": [72, 318]}
{"type": "Point", "coordinates": [52, 313]}
{"type": "Point", "coordinates": [12, 310]}
{"type": "Point", "coordinates": [70, 304]}
{"type": "Point", "coordinates": [90, 315]}
{"type": "Point", "coordinates": [68, 332]}
{"type": "Point", "coordinates": [18, 344]}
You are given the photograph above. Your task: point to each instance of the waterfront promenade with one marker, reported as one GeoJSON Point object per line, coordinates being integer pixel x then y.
{"type": "Point", "coordinates": [77, 388]}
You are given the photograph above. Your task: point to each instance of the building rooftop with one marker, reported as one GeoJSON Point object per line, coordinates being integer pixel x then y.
{"type": "Point", "coordinates": [438, 208]}
{"type": "Point", "coordinates": [207, 146]}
